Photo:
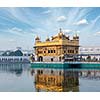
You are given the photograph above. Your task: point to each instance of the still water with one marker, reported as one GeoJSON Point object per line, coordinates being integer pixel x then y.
{"type": "Point", "coordinates": [23, 78]}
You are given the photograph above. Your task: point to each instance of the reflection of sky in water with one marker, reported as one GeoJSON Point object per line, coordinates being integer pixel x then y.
{"type": "Point", "coordinates": [87, 85]}
{"type": "Point", "coordinates": [20, 77]}
{"type": "Point", "coordinates": [16, 78]}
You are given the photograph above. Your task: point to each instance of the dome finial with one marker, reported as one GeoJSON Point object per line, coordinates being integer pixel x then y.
{"type": "Point", "coordinates": [60, 30]}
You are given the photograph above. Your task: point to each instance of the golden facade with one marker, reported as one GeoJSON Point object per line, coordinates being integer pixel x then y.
{"type": "Point", "coordinates": [56, 48]}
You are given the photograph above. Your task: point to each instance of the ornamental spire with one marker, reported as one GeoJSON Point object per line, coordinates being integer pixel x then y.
{"type": "Point", "coordinates": [60, 30]}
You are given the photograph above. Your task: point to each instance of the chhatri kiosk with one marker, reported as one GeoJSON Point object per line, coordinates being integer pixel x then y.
{"type": "Point", "coordinates": [59, 48]}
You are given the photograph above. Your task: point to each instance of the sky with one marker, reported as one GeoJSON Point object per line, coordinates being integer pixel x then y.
{"type": "Point", "coordinates": [19, 26]}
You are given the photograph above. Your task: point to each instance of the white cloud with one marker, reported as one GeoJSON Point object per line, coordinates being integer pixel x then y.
{"type": "Point", "coordinates": [67, 31]}
{"type": "Point", "coordinates": [38, 31]}
{"type": "Point", "coordinates": [46, 12]}
{"type": "Point", "coordinates": [22, 15]}
{"type": "Point", "coordinates": [11, 40]}
{"type": "Point", "coordinates": [81, 22]}
{"type": "Point", "coordinates": [78, 32]}
{"type": "Point", "coordinates": [96, 19]}
{"type": "Point", "coordinates": [97, 33]}
{"type": "Point", "coordinates": [18, 31]}
{"type": "Point", "coordinates": [61, 19]}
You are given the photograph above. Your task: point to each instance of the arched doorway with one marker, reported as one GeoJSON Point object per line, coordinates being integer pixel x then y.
{"type": "Point", "coordinates": [52, 59]}
{"type": "Point", "coordinates": [40, 58]}
{"type": "Point", "coordinates": [59, 58]}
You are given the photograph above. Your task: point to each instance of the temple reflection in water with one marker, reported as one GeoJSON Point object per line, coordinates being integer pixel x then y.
{"type": "Point", "coordinates": [62, 80]}
{"type": "Point", "coordinates": [17, 77]}
{"type": "Point", "coordinates": [56, 80]}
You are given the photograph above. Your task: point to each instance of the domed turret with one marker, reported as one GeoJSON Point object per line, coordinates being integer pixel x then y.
{"type": "Point", "coordinates": [47, 39]}
{"type": "Point", "coordinates": [37, 39]}
{"type": "Point", "coordinates": [67, 36]}
{"type": "Point", "coordinates": [60, 34]}
{"type": "Point", "coordinates": [76, 37]}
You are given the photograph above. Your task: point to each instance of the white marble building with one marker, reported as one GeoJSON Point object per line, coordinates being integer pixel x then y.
{"type": "Point", "coordinates": [93, 51]}
{"type": "Point", "coordinates": [89, 50]}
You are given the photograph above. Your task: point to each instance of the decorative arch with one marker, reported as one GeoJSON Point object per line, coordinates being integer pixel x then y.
{"type": "Point", "coordinates": [40, 58]}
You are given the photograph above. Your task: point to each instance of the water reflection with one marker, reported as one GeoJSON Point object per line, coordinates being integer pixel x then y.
{"type": "Point", "coordinates": [65, 80]}
{"type": "Point", "coordinates": [16, 69]}
{"type": "Point", "coordinates": [16, 77]}
{"type": "Point", "coordinates": [22, 77]}
{"type": "Point", "coordinates": [90, 74]}
{"type": "Point", "coordinates": [56, 80]}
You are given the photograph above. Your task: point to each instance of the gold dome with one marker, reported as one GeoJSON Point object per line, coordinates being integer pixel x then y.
{"type": "Point", "coordinates": [76, 36]}
{"type": "Point", "coordinates": [37, 38]}
{"type": "Point", "coordinates": [47, 39]}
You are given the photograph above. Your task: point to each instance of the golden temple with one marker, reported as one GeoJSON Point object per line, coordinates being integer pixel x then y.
{"type": "Point", "coordinates": [55, 48]}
